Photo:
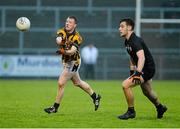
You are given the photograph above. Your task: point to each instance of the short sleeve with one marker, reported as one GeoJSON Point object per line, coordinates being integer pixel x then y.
{"type": "Point", "coordinates": [61, 33]}
{"type": "Point", "coordinates": [77, 40]}
{"type": "Point", "coordinates": [137, 45]}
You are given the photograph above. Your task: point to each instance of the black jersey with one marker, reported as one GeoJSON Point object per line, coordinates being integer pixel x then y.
{"type": "Point", "coordinates": [133, 45]}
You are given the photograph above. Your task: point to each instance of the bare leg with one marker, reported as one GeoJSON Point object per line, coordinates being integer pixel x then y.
{"type": "Point", "coordinates": [82, 84]}
{"type": "Point", "coordinates": [63, 78]}
{"type": "Point", "coordinates": [86, 87]}
{"type": "Point", "coordinates": [128, 93]}
{"type": "Point", "coordinates": [127, 88]}
{"type": "Point", "coordinates": [149, 93]}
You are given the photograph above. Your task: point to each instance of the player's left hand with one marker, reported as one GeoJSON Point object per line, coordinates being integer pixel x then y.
{"type": "Point", "coordinates": [60, 51]}
{"type": "Point", "coordinates": [136, 77]}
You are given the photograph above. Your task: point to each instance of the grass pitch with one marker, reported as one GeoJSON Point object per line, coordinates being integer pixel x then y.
{"type": "Point", "coordinates": [22, 103]}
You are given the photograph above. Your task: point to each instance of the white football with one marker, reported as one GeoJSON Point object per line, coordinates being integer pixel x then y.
{"type": "Point", "coordinates": [23, 24]}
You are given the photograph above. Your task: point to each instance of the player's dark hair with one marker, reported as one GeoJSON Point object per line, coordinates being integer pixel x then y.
{"type": "Point", "coordinates": [75, 19]}
{"type": "Point", "coordinates": [129, 22]}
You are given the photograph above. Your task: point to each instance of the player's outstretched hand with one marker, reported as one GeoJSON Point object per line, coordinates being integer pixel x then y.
{"type": "Point", "coordinates": [60, 51]}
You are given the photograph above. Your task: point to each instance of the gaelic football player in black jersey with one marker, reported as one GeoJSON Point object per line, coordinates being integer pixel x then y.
{"type": "Point", "coordinates": [142, 69]}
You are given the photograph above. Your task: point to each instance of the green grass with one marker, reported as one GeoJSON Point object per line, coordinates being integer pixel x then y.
{"type": "Point", "coordinates": [22, 103]}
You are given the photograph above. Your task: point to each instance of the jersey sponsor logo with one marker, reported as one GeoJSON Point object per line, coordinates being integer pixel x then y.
{"type": "Point", "coordinates": [129, 48]}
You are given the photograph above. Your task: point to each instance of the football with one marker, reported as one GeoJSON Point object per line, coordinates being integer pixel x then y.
{"type": "Point", "coordinates": [23, 24]}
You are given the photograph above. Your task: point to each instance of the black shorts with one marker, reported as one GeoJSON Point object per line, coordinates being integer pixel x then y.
{"type": "Point", "coordinates": [148, 74]}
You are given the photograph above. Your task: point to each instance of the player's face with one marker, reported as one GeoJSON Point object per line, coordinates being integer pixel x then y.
{"type": "Point", "coordinates": [70, 24]}
{"type": "Point", "coordinates": [123, 29]}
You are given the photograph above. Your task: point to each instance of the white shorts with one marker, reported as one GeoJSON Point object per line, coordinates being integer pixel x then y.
{"type": "Point", "coordinates": [72, 66]}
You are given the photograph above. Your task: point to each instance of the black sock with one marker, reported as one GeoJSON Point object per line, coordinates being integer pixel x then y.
{"type": "Point", "coordinates": [159, 106]}
{"type": "Point", "coordinates": [56, 105]}
{"type": "Point", "coordinates": [93, 96]}
{"type": "Point", "coordinates": [131, 109]}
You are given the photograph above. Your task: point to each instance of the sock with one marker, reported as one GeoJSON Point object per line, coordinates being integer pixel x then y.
{"type": "Point", "coordinates": [159, 106]}
{"type": "Point", "coordinates": [131, 109]}
{"type": "Point", "coordinates": [56, 105]}
{"type": "Point", "coordinates": [93, 96]}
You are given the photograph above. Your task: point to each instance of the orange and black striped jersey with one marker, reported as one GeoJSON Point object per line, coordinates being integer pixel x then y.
{"type": "Point", "coordinates": [69, 40]}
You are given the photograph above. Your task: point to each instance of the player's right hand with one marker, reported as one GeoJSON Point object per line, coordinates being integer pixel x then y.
{"type": "Point", "coordinates": [136, 77]}
{"type": "Point", "coordinates": [131, 72]}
